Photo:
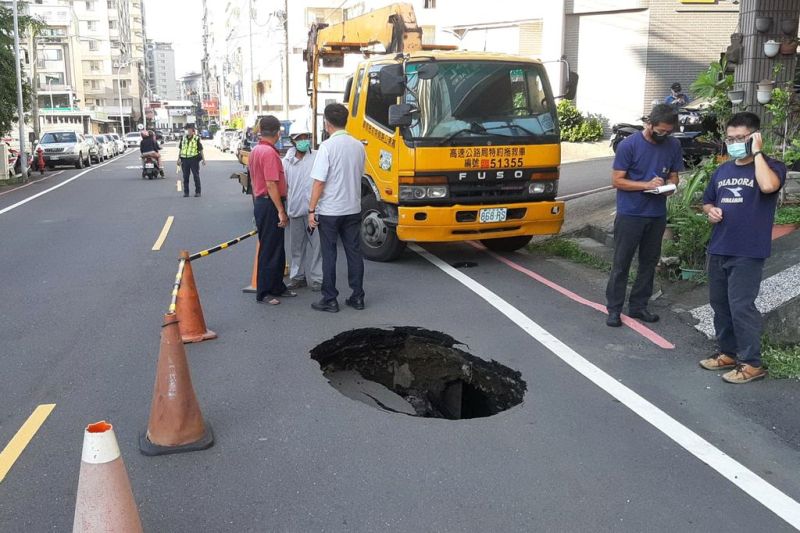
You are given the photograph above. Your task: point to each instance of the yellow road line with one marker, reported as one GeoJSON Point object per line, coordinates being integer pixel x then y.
{"type": "Point", "coordinates": [164, 231]}
{"type": "Point", "coordinates": [16, 445]}
{"type": "Point", "coordinates": [180, 186]}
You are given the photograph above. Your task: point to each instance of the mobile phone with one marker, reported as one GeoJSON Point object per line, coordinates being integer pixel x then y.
{"type": "Point", "coordinates": [749, 146]}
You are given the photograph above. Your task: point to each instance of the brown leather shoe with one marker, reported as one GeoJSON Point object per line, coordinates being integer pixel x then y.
{"type": "Point", "coordinates": [744, 373]}
{"type": "Point", "coordinates": [718, 361]}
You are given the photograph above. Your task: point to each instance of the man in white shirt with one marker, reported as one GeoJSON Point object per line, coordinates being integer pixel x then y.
{"type": "Point", "coordinates": [305, 264]}
{"type": "Point", "coordinates": [335, 208]}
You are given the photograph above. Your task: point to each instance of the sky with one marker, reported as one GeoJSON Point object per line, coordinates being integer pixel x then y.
{"type": "Point", "coordinates": [181, 23]}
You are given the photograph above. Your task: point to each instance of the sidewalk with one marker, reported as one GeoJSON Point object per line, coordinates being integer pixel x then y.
{"type": "Point", "coordinates": [573, 152]}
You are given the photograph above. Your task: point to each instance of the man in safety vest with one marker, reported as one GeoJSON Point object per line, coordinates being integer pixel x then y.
{"type": "Point", "coordinates": [190, 153]}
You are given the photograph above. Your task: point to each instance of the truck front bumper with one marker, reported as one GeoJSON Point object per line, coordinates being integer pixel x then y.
{"type": "Point", "coordinates": [461, 222]}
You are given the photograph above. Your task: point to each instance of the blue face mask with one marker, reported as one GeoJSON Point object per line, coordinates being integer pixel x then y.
{"type": "Point", "coordinates": [303, 146]}
{"type": "Point", "coordinates": [738, 150]}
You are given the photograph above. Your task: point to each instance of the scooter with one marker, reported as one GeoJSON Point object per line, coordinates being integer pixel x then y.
{"type": "Point", "coordinates": [150, 168]}
{"type": "Point", "coordinates": [692, 126]}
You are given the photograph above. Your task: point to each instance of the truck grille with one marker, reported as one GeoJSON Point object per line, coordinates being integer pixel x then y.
{"type": "Point", "coordinates": [495, 192]}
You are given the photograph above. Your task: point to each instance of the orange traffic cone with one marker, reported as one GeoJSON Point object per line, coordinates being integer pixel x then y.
{"type": "Point", "coordinates": [176, 423]}
{"type": "Point", "coordinates": [254, 276]}
{"type": "Point", "coordinates": [190, 313]}
{"type": "Point", "coordinates": [105, 500]}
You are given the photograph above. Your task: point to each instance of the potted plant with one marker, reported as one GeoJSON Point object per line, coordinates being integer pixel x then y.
{"type": "Point", "coordinates": [736, 97]}
{"type": "Point", "coordinates": [789, 26]}
{"type": "Point", "coordinates": [763, 24]}
{"type": "Point", "coordinates": [789, 46]}
{"type": "Point", "coordinates": [771, 48]}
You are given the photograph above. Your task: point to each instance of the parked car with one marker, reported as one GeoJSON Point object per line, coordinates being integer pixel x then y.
{"type": "Point", "coordinates": [227, 136]}
{"type": "Point", "coordinates": [133, 139]}
{"type": "Point", "coordinates": [109, 149]}
{"type": "Point", "coordinates": [218, 140]}
{"type": "Point", "coordinates": [205, 134]}
{"type": "Point", "coordinates": [65, 148]}
{"type": "Point", "coordinates": [121, 146]}
{"type": "Point", "coordinates": [160, 137]}
{"type": "Point", "coordinates": [96, 151]}
{"type": "Point", "coordinates": [235, 142]}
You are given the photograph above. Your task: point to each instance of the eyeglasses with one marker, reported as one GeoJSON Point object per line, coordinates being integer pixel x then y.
{"type": "Point", "coordinates": [742, 139]}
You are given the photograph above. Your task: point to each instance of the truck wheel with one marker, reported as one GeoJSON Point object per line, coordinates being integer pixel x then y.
{"type": "Point", "coordinates": [507, 244]}
{"type": "Point", "coordinates": [379, 240]}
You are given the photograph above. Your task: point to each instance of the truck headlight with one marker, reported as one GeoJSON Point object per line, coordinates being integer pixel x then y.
{"type": "Point", "coordinates": [419, 192]}
{"type": "Point", "coordinates": [543, 187]}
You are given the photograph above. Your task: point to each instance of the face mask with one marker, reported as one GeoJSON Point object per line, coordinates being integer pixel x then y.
{"type": "Point", "coordinates": [303, 146]}
{"type": "Point", "coordinates": [737, 150]}
{"type": "Point", "coordinates": [658, 138]}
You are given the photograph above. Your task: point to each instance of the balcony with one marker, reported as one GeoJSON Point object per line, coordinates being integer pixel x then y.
{"type": "Point", "coordinates": [54, 88]}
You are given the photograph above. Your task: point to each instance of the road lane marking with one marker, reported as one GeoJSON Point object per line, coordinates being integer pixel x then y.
{"type": "Point", "coordinates": [53, 175]}
{"type": "Point", "coordinates": [54, 187]}
{"type": "Point", "coordinates": [163, 236]}
{"type": "Point", "coordinates": [635, 325]}
{"type": "Point", "coordinates": [180, 186]}
{"type": "Point", "coordinates": [17, 444]}
{"type": "Point", "coordinates": [584, 193]}
{"type": "Point", "coordinates": [732, 470]}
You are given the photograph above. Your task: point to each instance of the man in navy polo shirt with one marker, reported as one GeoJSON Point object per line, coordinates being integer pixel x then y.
{"type": "Point", "coordinates": [740, 201]}
{"type": "Point", "coordinates": [644, 161]}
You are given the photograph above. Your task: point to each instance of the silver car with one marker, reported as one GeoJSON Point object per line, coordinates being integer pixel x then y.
{"type": "Point", "coordinates": [106, 145]}
{"type": "Point", "coordinates": [95, 149]}
{"type": "Point", "coordinates": [121, 146]}
{"type": "Point", "coordinates": [133, 139]}
{"type": "Point", "coordinates": [65, 148]}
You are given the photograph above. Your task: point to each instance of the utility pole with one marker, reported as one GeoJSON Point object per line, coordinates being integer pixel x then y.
{"type": "Point", "coordinates": [23, 160]}
{"type": "Point", "coordinates": [286, 58]}
{"type": "Point", "coordinates": [250, 53]}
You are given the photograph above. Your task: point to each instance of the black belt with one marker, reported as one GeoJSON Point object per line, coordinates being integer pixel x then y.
{"type": "Point", "coordinates": [266, 197]}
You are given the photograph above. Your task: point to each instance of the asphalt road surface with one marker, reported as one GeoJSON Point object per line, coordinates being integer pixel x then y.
{"type": "Point", "coordinates": [616, 432]}
{"type": "Point", "coordinates": [582, 178]}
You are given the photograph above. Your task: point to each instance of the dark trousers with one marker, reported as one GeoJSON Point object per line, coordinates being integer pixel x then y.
{"type": "Point", "coordinates": [191, 165]}
{"type": "Point", "coordinates": [733, 284]}
{"type": "Point", "coordinates": [348, 227]}
{"type": "Point", "coordinates": [271, 253]}
{"type": "Point", "coordinates": [631, 234]}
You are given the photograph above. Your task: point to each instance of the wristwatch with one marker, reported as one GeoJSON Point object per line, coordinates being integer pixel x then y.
{"type": "Point", "coordinates": [312, 210]}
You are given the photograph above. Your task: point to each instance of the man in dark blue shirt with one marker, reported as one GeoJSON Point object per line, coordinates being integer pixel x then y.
{"type": "Point", "coordinates": [676, 97]}
{"type": "Point", "coordinates": [740, 201]}
{"type": "Point", "coordinates": [644, 162]}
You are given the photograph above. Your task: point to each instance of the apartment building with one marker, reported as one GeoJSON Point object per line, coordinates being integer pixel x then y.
{"type": "Point", "coordinates": [87, 64]}
{"type": "Point", "coordinates": [161, 71]}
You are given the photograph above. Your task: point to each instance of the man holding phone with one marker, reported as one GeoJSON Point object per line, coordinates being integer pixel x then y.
{"type": "Point", "coordinates": [335, 208]}
{"type": "Point", "coordinates": [644, 162]}
{"type": "Point", "coordinates": [740, 202]}
{"type": "Point", "coordinates": [305, 259]}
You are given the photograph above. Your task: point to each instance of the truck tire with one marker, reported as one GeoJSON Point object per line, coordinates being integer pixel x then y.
{"type": "Point", "coordinates": [379, 240]}
{"type": "Point", "coordinates": [507, 244]}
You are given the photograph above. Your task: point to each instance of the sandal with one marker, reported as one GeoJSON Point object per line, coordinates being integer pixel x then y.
{"type": "Point", "coordinates": [288, 294]}
{"type": "Point", "coordinates": [270, 301]}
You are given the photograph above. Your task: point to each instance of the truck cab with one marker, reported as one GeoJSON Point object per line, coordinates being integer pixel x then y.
{"type": "Point", "coordinates": [460, 146]}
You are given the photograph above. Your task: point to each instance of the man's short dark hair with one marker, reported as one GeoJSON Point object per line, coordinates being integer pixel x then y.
{"type": "Point", "coordinates": [336, 115]}
{"type": "Point", "coordinates": [676, 87]}
{"type": "Point", "coordinates": [745, 118]}
{"type": "Point", "coordinates": [269, 126]}
{"type": "Point", "coordinates": [190, 127]}
{"type": "Point", "coordinates": [663, 114]}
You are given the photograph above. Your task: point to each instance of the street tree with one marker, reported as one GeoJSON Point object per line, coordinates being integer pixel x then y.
{"type": "Point", "coordinates": [8, 81]}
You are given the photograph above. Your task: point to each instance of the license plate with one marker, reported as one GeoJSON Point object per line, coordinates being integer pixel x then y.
{"type": "Point", "coordinates": [497, 214]}
{"type": "Point", "coordinates": [149, 165]}
{"type": "Point", "coordinates": [54, 157]}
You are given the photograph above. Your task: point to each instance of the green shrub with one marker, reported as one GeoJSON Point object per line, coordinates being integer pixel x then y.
{"type": "Point", "coordinates": [575, 127]}
{"type": "Point", "coordinates": [787, 215]}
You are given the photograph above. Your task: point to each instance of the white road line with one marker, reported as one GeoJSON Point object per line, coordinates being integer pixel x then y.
{"type": "Point", "coordinates": [584, 193]}
{"type": "Point", "coordinates": [163, 235]}
{"type": "Point", "coordinates": [52, 175]}
{"type": "Point", "coordinates": [54, 187]}
{"type": "Point", "coordinates": [759, 489]}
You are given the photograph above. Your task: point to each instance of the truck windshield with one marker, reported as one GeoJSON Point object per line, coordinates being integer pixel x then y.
{"type": "Point", "coordinates": [468, 102]}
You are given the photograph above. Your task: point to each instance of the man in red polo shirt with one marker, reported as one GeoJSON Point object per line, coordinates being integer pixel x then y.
{"type": "Point", "coordinates": [269, 201]}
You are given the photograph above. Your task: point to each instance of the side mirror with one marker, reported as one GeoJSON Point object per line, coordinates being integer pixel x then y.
{"type": "Point", "coordinates": [572, 85]}
{"type": "Point", "coordinates": [348, 88]}
{"type": "Point", "coordinates": [427, 71]}
{"type": "Point", "coordinates": [401, 115]}
{"type": "Point", "coordinates": [392, 80]}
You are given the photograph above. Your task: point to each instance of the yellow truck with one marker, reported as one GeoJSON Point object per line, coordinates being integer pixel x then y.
{"type": "Point", "coordinates": [460, 145]}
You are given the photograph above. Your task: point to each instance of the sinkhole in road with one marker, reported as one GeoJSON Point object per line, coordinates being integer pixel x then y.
{"type": "Point", "coordinates": [417, 372]}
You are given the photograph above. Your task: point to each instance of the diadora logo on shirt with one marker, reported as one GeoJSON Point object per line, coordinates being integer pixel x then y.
{"type": "Point", "coordinates": [734, 186]}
